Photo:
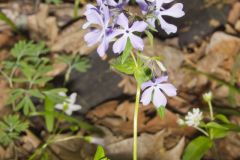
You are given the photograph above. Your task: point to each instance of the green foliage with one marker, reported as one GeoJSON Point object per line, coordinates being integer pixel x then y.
{"type": "Point", "coordinates": [49, 113]}
{"type": "Point", "coordinates": [8, 21]}
{"type": "Point", "coordinates": [100, 154]}
{"type": "Point", "coordinates": [150, 37]}
{"type": "Point", "coordinates": [161, 111]}
{"type": "Point", "coordinates": [10, 128]}
{"type": "Point", "coordinates": [142, 74]}
{"type": "Point", "coordinates": [77, 62]}
{"type": "Point", "coordinates": [54, 1]}
{"type": "Point", "coordinates": [127, 51]}
{"type": "Point", "coordinates": [197, 148]}
{"type": "Point", "coordinates": [128, 67]}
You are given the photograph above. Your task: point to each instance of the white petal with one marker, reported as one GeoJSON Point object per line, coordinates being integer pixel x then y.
{"type": "Point", "coordinates": [161, 79]}
{"type": "Point", "coordinates": [72, 98]}
{"type": "Point", "coordinates": [111, 3]}
{"type": "Point", "coordinates": [75, 107]}
{"type": "Point", "coordinates": [158, 98]}
{"type": "Point", "coordinates": [147, 96]}
{"type": "Point", "coordinates": [136, 42]}
{"type": "Point", "coordinates": [93, 37]}
{"type": "Point", "coordinates": [59, 106]}
{"type": "Point", "coordinates": [175, 11]}
{"type": "Point", "coordinates": [68, 112]}
{"type": "Point", "coordinates": [146, 84]}
{"type": "Point", "coordinates": [120, 44]}
{"type": "Point", "coordinates": [168, 88]}
{"type": "Point", "coordinates": [94, 18]}
{"type": "Point", "coordinates": [122, 21]}
{"type": "Point", "coordinates": [102, 48]}
{"type": "Point", "coordinates": [115, 33]}
{"type": "Point", "coordinates": [168, 28]}
{"type": "Point", "coordinates": [63, 94]}
{"type": "Point", "coordinates": [138, 26]}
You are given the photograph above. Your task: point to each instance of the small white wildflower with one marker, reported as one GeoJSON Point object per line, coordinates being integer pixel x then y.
{"type": "Point", "coordinates": [193, 118]}
{"type": "Point", "coordinates": [97, 140]}
{"type": "Point", "coordinates": [207, 96]}
{"type": "Point", "coordinates": [181, 122]}
{"type": "Point", "coordinates": [94, 140]}
{"type": "Point", "coordinates": [68, 106]}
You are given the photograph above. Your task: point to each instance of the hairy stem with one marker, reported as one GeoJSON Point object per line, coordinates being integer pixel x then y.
{"type": "Point", "coordinates": [135, 122]}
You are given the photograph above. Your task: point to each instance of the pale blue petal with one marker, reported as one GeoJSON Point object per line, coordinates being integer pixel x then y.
{"type": "Point", "coordinates": [146, 84]}
{"type": "Point", "coordinates": [120, 44]}
{"type": "Point", "coordinates": [168, 88]}
{"type": "Point", "coordinates": [168, 28]}
{"type": "Point", "coordinates": [136, 42]}
{"type": "Point", "coordinates": [93, 37]}
{"type": "Point", "coordinates": [122, 21]}
{"type": "Point", "coordinates": [158, 98]}
{"type": "Point", "coordinates": [175, 11]}
{"type": "Point", "coordinates": [147, 96]}
{"type": "Point", "coordinates": [138, 26]}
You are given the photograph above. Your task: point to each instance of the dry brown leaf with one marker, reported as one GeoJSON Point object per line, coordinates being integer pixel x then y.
{"type": "Point", "coordinates": [103, 110]}
{"type": "Point", "coordinates": [150, 147]}
{"type": "Point", "coordinates": [234, 14]}
{"type": "Point", "coordinates": [43, 26]}
{"type": "Point", "coordinates": [128, 84]}
{"type": "Point", "coordinates": [71, 40]}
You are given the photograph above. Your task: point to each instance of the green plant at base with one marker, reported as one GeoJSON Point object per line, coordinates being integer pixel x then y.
{"type": "Point", "coordinates": [10, 128]}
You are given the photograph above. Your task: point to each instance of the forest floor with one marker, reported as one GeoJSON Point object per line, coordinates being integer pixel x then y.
{"type": "Point", "coordinates": [203, 56]}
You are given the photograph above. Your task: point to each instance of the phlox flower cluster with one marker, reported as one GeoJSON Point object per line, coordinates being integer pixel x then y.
{"type": "Point", "coordinates": [109, 22]}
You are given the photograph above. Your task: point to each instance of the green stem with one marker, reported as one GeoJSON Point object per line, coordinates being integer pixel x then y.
{"type": "Point", "coordinates": [67, 74]}
{"type": "Point", "coordinates": [134, 59]}
{"type": "Point", "coordinates": [210, 110]}
{"type": "Point", "coordinates": [76, 7]}
{"type": "Point", "coordinates": [135, 123]}
{"type": "Point", "coordinates": [201, 130]}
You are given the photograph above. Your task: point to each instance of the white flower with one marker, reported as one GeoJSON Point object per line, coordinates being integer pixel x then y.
{"type": "Point", "coordinates": [193, 118]}
{"type": "Point", "coordinates": [68, 106]}
{"type": "Point", "coordinates": [97, 140]}
{"type": "Point", "coordinates": [180, 121]}
{"type": "Point", "coordinates": [207, 96]}
{"type": "Point", "coordinates": [94, 140]}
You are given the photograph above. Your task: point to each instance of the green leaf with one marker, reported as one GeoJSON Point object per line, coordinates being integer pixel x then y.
{"type": "Point", "coordinates": [142, 74]}
{"type": "Point", "coordinates": [43, 80]}
{"type": "Point", "coordinates": [54, 1]}
{"type": "Point", "coordinates": [222, 118]}
{"type": "Point", "coordinates": [49, 113]}
{"type": "Point", "coordinates": [126, 51]}
{"type": "Point", "coordinates": [218, 133]}
{"type": "Point", "coordinates": [215, 125]}
{"type": "Point", "coordinates": [10, 128]}
{"type": "Point", "coordinates": [232, 127]}
{"type": "Point", "coordinates": [8, 21]}
{"type": "Point", "coordinates": [161, 111]}
{"type": "Point", "coordinates": [197, 148]}
{"type": "Point", "coordinates": [36, 93]}
{"type": "Point", "coordinates": [150, 37]}
{"type": "Point", "coordinates": [53, 94]}
{"type": "Point", "coordinates": [100, 154]}
{"type": "Point", "coordinates": [26, 104]}
{"type": "Point", "coordinates": [81, 65]}
{"type": "Point", "coordinates": [128, 67]}
{"type": "Point", "coordinates": [24, 48]}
